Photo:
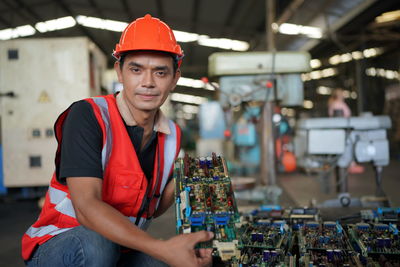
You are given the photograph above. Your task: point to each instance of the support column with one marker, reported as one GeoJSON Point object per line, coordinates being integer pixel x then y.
{"type": "Point", "coordinates": [267, 168]}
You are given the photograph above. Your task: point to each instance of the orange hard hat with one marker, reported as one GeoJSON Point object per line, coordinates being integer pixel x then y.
{"type": "Point", "coordinates": [148, 33]}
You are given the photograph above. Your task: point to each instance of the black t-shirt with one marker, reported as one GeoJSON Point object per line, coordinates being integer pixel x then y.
{"type": "Point", "coordinates": [82, 144]}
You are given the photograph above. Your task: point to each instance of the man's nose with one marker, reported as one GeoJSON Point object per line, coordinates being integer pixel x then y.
{"type": "Point", "coordinates": [148, 79]}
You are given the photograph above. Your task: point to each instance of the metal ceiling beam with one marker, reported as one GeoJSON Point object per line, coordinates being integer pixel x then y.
{"type": "Point", "coordinates": [85, 31]}
{"type": "Point", "coordinates": [101, 15]}
{"type": "Point", "coordinates": [231, 14]}
{"type": "Point", "coordinates": [193, 28]}
{"type": "Point", "coordinates": [289, 11]}
{"type": "Point", "coordinates": [32, 13]}
{"type": "Point", "coordinates": [246, 15]}
{"type": "Point", "coordinates": [6, 23]}
{"type": "Point", "coordinates": [343, 20]}
{"type": "Point", "coordinates": [18, 10]}
{"type": "Point", "coordinates": [160, 9]}
{"type": "Point", "coordinates": [128, 10]}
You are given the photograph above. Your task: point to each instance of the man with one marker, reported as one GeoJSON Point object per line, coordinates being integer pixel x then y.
{"type": "Point", "coordinates": [113, 167]}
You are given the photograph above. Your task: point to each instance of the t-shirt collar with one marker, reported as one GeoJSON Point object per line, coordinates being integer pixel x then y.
{"type": "Point", "coordinates": [161, 122]}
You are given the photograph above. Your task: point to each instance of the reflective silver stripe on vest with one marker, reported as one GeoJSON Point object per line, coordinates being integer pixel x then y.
{"type": "Point", "coordinates": [62, 202]}
{"type": "Point", "coordinates": [143, 222]}
{"type": "Point", "coordinates": [169, 154]}
{"type": "Point", "coordinates": [45, 230]}
{"type": "Point", "coordinates": [106, 151]}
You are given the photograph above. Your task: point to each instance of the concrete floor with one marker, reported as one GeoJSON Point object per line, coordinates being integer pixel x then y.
{"type": "Point", "coordinates": [298, 190]}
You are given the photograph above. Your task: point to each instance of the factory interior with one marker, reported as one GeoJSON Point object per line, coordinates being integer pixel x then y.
{"type": "Point", "coordinates": [289, 113]}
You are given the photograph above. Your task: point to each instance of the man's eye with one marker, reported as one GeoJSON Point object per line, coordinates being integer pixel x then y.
{"type": "Point", "coordinates": [135, 69]}
{"type": "Point", "coordinates": [160, 73]}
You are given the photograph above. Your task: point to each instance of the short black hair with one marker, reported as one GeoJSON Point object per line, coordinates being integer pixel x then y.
{"type": "Point", "coordinates": [173, 56]}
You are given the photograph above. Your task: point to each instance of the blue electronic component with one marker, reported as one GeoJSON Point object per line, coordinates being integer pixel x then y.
{"type": "Point", "coordinates": [270, 207]}
{"type": "Point", "coordinates": [381, 227]}
{"type": "Point", "coordinates": [197, 220]}
{"type": "Point", "coordinates": [221, 219]}
{"type": "Point", "coordinates": [362, 226]}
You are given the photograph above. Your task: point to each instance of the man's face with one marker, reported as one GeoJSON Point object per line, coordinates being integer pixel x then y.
{"type": "Point", "coordinates": [147, 78]}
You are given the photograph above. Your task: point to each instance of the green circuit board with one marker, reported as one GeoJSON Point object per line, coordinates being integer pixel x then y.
{"type": "Point", "coordinates": [205, 201]}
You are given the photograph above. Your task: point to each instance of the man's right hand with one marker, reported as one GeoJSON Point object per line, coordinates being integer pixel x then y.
{"type": "Point", "coordinates": [180, 250]}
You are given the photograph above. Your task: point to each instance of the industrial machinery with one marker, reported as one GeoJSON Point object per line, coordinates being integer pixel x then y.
{"type": "Point", "coordinates": [39, 79]}
{"type": "Point", "coordinates": [326, 143]}
{"type": "Point", "coordinates": [249, 82]}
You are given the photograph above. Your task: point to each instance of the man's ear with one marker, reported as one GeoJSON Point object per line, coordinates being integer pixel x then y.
{"type": "Point", "coordinates": [176, 78]}
{"type": "Point", "coordinates": [117, 68]}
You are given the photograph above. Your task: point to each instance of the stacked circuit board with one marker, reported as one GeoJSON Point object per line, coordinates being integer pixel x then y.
{"type": "Point", "coordinates": [205, 201]}
{"type": "Point", "coordinates": [376, 242]}
{"type": "Point", "coordinates": [274, 236]}
{"type": "Point", "coordinates": [264, 242]}
{"type": "Point", "coordinates": [325, 244]}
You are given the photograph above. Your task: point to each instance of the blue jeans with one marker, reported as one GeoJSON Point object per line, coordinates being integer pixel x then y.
{"type": "Point", "coordinates": [81, 247]}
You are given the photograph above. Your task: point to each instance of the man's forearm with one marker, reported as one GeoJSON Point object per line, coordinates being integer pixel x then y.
{"type": "Point", "coordinates": [166, 200]}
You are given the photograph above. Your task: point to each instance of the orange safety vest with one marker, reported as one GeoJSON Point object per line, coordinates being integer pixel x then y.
{"type": "Point", "coordinates": [124, 184]}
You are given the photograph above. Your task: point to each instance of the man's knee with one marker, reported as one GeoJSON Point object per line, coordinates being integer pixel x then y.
{"type": "Point", "coordinates": [98, 250]}
{"type": "Point", "coordinates": [76, 247]}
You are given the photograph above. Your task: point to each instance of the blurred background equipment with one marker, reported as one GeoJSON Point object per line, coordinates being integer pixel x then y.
{"type": "Point", "coordinates": [248, 81]}
{"type": "Point", "coordinates": [326, 143]}
{"type": "Point", "coordinates": [45, 76]}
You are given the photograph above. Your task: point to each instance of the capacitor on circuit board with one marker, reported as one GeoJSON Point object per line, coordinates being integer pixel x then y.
{"type": "Point", "coordinates": [329, 255]}
{"type": "Point", "coordinates": [266, 255]}
{"type": "Point", "coordinates": [202, 162]}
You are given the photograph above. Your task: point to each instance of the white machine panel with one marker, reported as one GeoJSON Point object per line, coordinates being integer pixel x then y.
{"type": "Point", "coordinates": [326, 141]}
{"type": "Point", "coordinates": [46, 75]}
{"type": "Point", "coordinates": [242, 63]}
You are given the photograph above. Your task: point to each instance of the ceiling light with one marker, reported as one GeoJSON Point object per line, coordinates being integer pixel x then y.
{"type": "Point", "coordinates": [353, 95]}
{"type": "Point", "coordinates": [346, 57]}
{"type": "Point", "coordinates": [190, 99]}
{"type": "Point", "coordinates": [388, 74]}
{"type": "Point", "coordinates": [323, 90]}
{"type": "Point", "coordinates": [21, 31]}
{"type": "Point", "coordinates": [315, 63]}
{"type": "Point", "coordinates": [104, 24]}
{"type": "Point", "coordinates": [328, 72]}
{"type": "Point", "coordinates": [372, 52]}
{"type": "Point", "coordinates": [290, 29]}
{"type": "Point", "coordinates": [316, 75]}
{"type": "Point", "coordinates": [308, 104]}
{"type": "Point", "coordinates": [357, 55]}
{"type": "Point", "coordinates": [388, 16]}
{"type": "Point", "coordinates": [186, 37]}
{"type": "Point", "coordinates": [334, 60]}
{"type": "Point", "coordinates": [55, 24]}
{"type": "Point", "coordinates": [294, 29]}
{"type": "Point", "coordinates": [223, 43]}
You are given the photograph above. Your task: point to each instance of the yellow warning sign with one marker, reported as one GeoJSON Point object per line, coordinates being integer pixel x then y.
{"type": "Point", "coordinates": [44, 97]}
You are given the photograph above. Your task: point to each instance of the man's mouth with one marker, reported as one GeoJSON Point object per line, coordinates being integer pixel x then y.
{"type": "Point", "coordinates": [147, 96]}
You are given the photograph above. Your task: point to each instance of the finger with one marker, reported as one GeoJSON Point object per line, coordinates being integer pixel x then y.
{"type": "Point", "coordinates": [206, 260]}
{"type": "Point", "coordinates": [205, 252]}
{"type": "Point", "coordinates": [201, 236]}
